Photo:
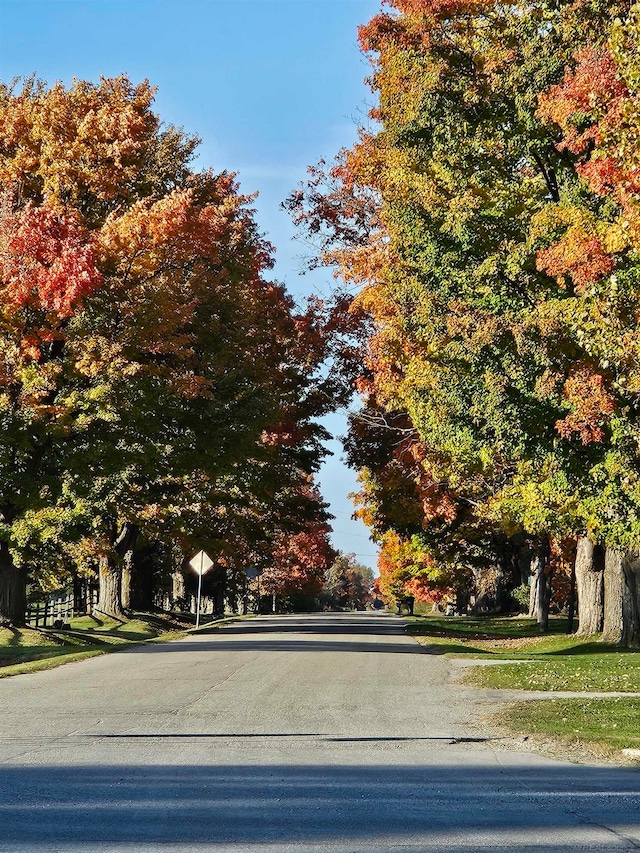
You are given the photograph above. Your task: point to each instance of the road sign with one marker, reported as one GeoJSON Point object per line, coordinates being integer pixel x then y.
{"type": "Point", "coordinates": [201, 563]}
{"type": "Point", "coordinates": [252, 573]}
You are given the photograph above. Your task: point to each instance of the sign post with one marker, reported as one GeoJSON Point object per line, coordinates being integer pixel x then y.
{"type": "Point", "coordinates": [201, 564]}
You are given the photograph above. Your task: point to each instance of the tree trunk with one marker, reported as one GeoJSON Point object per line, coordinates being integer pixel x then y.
{"type": "Point", "coordinates": [614, 593]}
{"type": "Point", "coordinates": [589, 582]}
{"type": "Point", "coordinates": [112, 569]}
{"type": "Point", "coordinates": [143, 583]}
{"type": "Point", "coordinates": [13, 589]}
{"type": "Point", "coordinates": [537, 580]}
{"type": "Point", "coordinates": [621, 599]}
{"type": "Point", "coordinates": [540, 591]}
{"type": "Point", "coordinates": [487, 588]}
{"type": "Point", "coordinates": [110, 599]}
{"type": "Point", "coordinates": [178, 592]}
{"type": "Point", "coordinates": [631, 565]}
{"type": "Point", "coordinates": [572, 599]}
{"type": "Point", "coordinates": [127, 576]}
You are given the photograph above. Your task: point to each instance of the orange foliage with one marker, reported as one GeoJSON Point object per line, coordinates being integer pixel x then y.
{"type": "Point", "coordinates": [385, 28]}
{"type": "Point", "coordinates": [597, 113]}
{"type": "Point", "coordinates": [299, 562]}
{"type": "Point", "coordinates": [57, 142]}
{"type": "Point", "coordinates": [436, 499]}
{"type": "Point", "coordinates": [406, 569]}
{"type": "Point", "coordinates": [578, 254]}
{"type": "Point", "coordinates": [591, 403]}
{"type": "Point", "coordinates": [440, 8]}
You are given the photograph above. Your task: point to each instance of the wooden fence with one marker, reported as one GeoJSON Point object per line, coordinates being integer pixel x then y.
{"type": "Point", "coordinates": [60, 608]}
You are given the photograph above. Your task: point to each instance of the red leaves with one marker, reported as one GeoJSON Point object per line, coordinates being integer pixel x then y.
{"type": "Point", "coordinates": [285, 434]}
{"type": "Point", "coordinates": [47, 259]}
{"type": "Point", "coordinates": [592, 90]}
{"type": "Point", "coordinates": [579, 254]}
{"type": "Point", "coordinates": [299, 561]}
{"type": "Point", "coordinates": [596, 108]}
{"type": "Point", "coordinates": [413, 30]}
{"type": "Point", "coordinates": [591, 402]}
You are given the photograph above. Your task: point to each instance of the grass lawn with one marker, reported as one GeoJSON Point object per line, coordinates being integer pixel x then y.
{"type": "Point", "coordinates": [610, 723]}
{"type": "Point", "coordinates": [554, 661]}
{"type": "Point", "coordinates": [31, 649]}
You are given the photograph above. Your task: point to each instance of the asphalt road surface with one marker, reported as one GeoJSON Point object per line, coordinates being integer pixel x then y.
{"type": "Point", "coordinates": [303, 733]}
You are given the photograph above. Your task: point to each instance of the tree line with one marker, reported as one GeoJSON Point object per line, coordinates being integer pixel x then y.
{"type": "Point", "coordinates": [489, 218]}
{"type": "Point", "coordinates": [159, 394]}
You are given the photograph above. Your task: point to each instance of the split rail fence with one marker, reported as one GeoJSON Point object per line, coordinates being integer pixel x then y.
{"type": "Point", "coordinates": [60, 609]}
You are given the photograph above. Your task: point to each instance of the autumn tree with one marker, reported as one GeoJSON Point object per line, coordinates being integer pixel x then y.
{"type": "Point", "coordinates": [488, 266]}
{"type": "Point", "coordinates": [348, 584]}
{"type": "Point", "coordinates": [148, 359]}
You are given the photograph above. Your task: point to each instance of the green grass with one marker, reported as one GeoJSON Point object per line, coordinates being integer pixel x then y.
{"type": "Point", "coordinates": [501, 638]}
{"type": "Point", "coordinates": [604, 669]}
{"type": "Point", "coordinates": [31, 649]}
{"type": "Point", "coordinates": [554, 661]}
{"type": "Point", "coordinates": [612, 724]}
{"type": "Point", "coordinates": [37, 664]}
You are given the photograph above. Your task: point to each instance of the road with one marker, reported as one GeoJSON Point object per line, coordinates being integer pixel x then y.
{"type": "Point", "coordinates": [301, 733]}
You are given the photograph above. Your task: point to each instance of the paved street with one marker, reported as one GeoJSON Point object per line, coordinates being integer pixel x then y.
{"type": "Point", "coordinates": [304, 733]}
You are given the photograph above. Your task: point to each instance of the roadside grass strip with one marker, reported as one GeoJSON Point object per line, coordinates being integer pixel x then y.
{"type": "Point", "coordinates": [609, 725]}
{"type": "Point", "coordinates": [605, 669]}
{"type": "Point", "coordinates": [500, 638]}
{"type": "Point", "coordinates": [25, 650]}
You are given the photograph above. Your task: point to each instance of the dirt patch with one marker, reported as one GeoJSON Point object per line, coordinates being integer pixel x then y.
{"type": "Point", "coordinates": [577, 752]}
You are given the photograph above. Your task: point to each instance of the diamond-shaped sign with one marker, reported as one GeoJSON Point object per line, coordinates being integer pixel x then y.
{"type": "Point", "coordinates": [201, 563]}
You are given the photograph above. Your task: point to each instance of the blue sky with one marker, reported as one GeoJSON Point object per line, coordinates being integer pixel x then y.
{"type": "Point", "coordinates": [271, 86]}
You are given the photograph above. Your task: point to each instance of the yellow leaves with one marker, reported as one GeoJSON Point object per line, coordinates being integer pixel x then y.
{"type": "Point", "coordinates": [476, 328]}
{"type": "Point", "coordinates": [175, 232]}
{"type": "Point", "coordinates": [10, 360]}
{"type": "Point", "coordinates": [98, 355]}
{"type": "Point", "coordinates": [616, 238]}
{"type": "Point", "coordinates": [548, 384]}
{"type": "Point", "coordinates": [554, 219]}
{"type": "Point", "coordinates": [362, 264]}
{"type": "Point", "coordinates": [461, 210]}
{"type": "Point", "coordinates": [63, 143]}
{"type": "Point", "coordinates": [152, 512]}
{"type": "Point", "coordinates": [147, 236]}
{"type": "Point", "coordinates": [38, 382]}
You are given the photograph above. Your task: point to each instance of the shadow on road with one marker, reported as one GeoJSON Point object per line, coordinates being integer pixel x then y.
{"type": "Point", "coordinates": [291, 735]}
{"type": "Point", "coordinates": [258, 644]}
{"type": "Point", "coordinates": [329, 623]}
{"type": "Point", "coordinates": [343, 633]}
{"type": "Point", "coordinates": [365, 808]}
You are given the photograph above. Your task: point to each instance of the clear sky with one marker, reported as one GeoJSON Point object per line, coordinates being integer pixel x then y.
{"type": "Point", "coordinates": [271, 86]}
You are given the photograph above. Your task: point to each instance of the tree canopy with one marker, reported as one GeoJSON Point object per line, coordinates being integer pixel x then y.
{"type": "Point", "coordinates": [154, 378]}
{"type": "Point", "coordinates": [488, 216]}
